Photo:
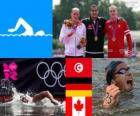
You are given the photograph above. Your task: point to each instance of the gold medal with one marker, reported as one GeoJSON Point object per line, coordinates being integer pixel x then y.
{"type": "Point", "coordinates": [95, 30]}
{"type": "Point", "coordinates": [96, 38]}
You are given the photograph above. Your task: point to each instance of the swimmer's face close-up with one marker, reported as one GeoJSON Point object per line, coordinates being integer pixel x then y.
{"type": "Point", "coordinates": [123, 77]}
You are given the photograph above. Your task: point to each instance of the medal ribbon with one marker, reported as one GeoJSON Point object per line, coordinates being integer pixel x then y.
{"type": "Point", "coordinates": [75, 26]}
{"type": "Point", "coordinates": [114, 29]}
{"type": "Point", "coordinates": [95, 29]}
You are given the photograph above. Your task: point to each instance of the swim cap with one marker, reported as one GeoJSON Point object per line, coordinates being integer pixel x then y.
{"type": "Point", "coordinates": [110, 69]}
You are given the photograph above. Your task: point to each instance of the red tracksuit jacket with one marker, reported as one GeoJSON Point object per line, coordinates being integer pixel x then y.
{"type": "Point", "coordinates": [116, 49]}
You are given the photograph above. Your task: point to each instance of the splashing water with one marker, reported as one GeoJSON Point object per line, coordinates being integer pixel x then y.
{"type": "Point", "coordinates": [17, 107]}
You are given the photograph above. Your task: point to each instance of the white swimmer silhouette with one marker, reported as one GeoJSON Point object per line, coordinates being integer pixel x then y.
{"type": "Point", "coordinates": [28, 29]}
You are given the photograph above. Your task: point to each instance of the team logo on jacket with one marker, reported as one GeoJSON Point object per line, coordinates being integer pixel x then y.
{"type": "Point", "coordinates": [110, 26]}
{"type": "Point", "coordinates": [90, 27]}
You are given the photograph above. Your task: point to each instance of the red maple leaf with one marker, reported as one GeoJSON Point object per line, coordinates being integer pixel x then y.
{"type": "Point", "coordinates": [78, 106]}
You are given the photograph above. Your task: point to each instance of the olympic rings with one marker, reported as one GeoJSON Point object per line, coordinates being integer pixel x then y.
{"type": "Point", "coordinates": [50, 71]}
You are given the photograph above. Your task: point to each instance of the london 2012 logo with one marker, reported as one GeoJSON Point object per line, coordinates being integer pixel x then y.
{"type": "Point", "coordinates": [10, 71]}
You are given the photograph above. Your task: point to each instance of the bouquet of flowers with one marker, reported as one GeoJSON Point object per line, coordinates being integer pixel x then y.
{"type": "Point", "coordinates": [82, 43]}
{"type": "Point", "coordinates": [69, 23]}
{"type": "Point", "coordinates": [82, 40]}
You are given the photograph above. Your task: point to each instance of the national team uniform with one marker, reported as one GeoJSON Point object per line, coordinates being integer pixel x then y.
{"type": "Point", "coordinates": [71, 42]}
{"type": "Point", "coordinates": [95, 37]}
{"type": "Point", "coordinates": [116, 32]}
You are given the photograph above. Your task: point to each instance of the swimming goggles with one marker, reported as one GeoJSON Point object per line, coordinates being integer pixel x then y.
{"type": "Point", "coordinates": [123, 70]}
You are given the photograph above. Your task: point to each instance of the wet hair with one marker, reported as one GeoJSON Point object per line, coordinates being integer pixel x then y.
{"type": "Point", "coordinates": [110, 70]}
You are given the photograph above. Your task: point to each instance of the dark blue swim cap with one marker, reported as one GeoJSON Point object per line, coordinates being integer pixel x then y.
{"type": "Point", "coordinates": [110, 70]}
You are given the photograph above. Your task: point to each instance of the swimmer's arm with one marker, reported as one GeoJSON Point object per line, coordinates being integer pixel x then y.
{"type": "Point", "coordinates": [109, 103]}
{"type": "Point", "coordinates": [112, 96]}
{"type": "Point", "coordinates": [42, 95]}
{"type": "Point", "coordinates": [38, 97]}
{"type": "Point", "coordinates": [45, 94]}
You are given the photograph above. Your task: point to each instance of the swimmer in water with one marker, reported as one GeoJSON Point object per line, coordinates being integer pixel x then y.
{"type": "Point", "coordinates": [119, 79]}
{"type": "Point", "coordinates": [39, 97]}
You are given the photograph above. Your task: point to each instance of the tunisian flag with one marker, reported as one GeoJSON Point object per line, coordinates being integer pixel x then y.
{"type": "Point", "coordinates": [78, 100]}
{"type": "Point", "coordinates": [78, 67]}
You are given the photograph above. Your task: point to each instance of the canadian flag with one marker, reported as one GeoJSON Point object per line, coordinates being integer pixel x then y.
{"type": "Point", "coordinates": [78, 100]}
{"type": "Point", "coordinates": [78, 106]}
{"type": "Point", "coordinates": [78, 67]}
